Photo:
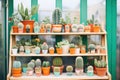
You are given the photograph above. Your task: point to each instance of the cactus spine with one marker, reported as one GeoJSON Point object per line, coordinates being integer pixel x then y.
{"type": "Point", "coordinates": [57, 14]}
{"type": "Point", "coordinates": [57, 61]}
{"type": "Point", "coordinates": [79, 63]}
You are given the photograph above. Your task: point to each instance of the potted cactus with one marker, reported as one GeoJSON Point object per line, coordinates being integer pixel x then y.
{"type": "Point", "coordinates": [59, 48]}
{"type": "Point", "coordinates": [100, 67]}
{"type": "Point", "coordinates": [51, 50]}
{"type": "Point", "coordinates": [72, 49]}
{"type": "Point", "coordinates": [38, 67]}
{"type": "Point", "coordinates": [80, 28]}
{"type": "Point", "coordinates": [14, 49]}
{"type": "Point", "coordinates": [46, 68]}
{"type": "Point", "coordinates": [16, 70]}
{"type": "Point", "coordinates": [24, 68]}
{"type": "Point", "coordinates": [27, 28]}
{"type": "Point", "coordinates": [56, 20]}
{"type": "Point", "coordinates": [96, 27]}
{"type": "Point", "coordinates": [44, 48]}
{"type": "Point", "coordinates": [103, 50]}
{"type": "Point", "coordinates": [57, 71]}
{"type": "Point", "coordinates": [90, 71]}
{"type": "Point", "coordinates": [37, 50]}
{"type": "Point", "coordinates": [30, 68]}
{"type": "Point", "coordinates": [26, 16]}
{"type": "Point", "coordinates": [69, 70]}
{"type": "Point", "coordinates": [36, 27]}
{"type": "Point", "coordinates": [42, 28]}
{"type": "Point", "coordinates": [83, 49]}
{"type": "Point", "coordinates": [74, 26]}
{"type": "Point", "coordinates": [65, 46]}
{"type": "Point", "coordinates": [27, 47]}
{"type": "Point", "coordinates": [87, 28]}
{"type": "Point", "coordinates": [79, 64]}
{"type": "Point", "coordinates": [58, 62]}
{"type": "Point", "coordinates": [21, 49]}
{"type": "Point", "coordinates": [91, 48]}
{"type": "Point", "coordinates": [63, 23]}
{"type": "Point", "coordinates": [20, 27]}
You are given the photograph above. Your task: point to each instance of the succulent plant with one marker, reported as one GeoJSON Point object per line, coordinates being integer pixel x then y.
{"type": "Point", "coordinates": [75, 21]}
{"type": "Point", "coordinates": [33, 60]}
{"type": "Point", "coordinates": [45, 64]}
{"type": "Point", "coordinates": [57, 61]}
{"type": "Point", "coordinates": [77, 40]}
{"type": "Point", "coordinates": [100, 64]}
{"type": "Point", "coordinates": [56, 16]}
{"type": "Point", "coordinates": [38, 63]}
{"type": "Point", "coordinates": [46, 20]}
{"type": "Point", "coordinates": [36, 24]}
{"type": "Point", "coordinates": [72, 45]}
{"type": "Point", "coordinates": [16, 64]}
{"type": "Point", "coordinates": [14, 47]}
{"type": "Point", "coordinates": [79, 63]}
{"type": "Point", "coordinates": [67, 18]}
{"type": "Point", "coordinates": [64, 42]}
{"type": "Point", "coordinates": [90, 68]}
{"type": "Point", "coordinates": [56, 69]}
{"type": "Point", "coordinates": [31, 64]}
{"type": "Point", "coordinates": [25, 13]}
{"type": "Point", "coordinates": [62, 21]}
{"type": "Point", "coordinates": [91, 46]}
{"type": "Point", "coordinates": [44, 46]}
{"type": "Point", "coordinates": [20, 25]}
{"type": "Point", "coordinates": [59, 45]}
{"type": "Point", "coordinates": [69, 68]}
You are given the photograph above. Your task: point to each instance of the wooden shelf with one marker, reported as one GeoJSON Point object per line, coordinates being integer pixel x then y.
{"type": "Point", "coordinates": [71, 33]}
{"type": "Point", "coordinates": [24, 55]}
{"type": "Point", "coordinates": [61, 77]}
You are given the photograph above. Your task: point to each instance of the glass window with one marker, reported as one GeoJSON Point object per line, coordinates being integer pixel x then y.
{"type": "Point", "coordinates": [46, 8]}
{"type": "Point", "coordinates": [72, 9]}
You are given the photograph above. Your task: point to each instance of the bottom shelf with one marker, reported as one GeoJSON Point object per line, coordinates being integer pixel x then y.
{"type": "Point", "coordinates": [61, 77]}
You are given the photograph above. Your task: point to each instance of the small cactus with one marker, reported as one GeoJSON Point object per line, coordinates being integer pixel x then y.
{"type": "Point", "coordinates": [79, 63]}
{"type": "Point", "coordinates": [56, 16]}
{"type": "Point", "coordinates": [31, 64]}
{"type": "Point", "coordinates": [38, 63]}
{"type": "Point", "coordinates": [57, 61]}
{"type": "Point", "coordinates": [100, 63]}
{"type": "Point", "coordinates": [20, 25]}
{"type": "Point", "coordinates": [69, 69]}
{"type": "Point", "coordinates": [46, 64]}
{"type": "Point", "coordinates": [16, 64]}
{"type": "Point", "coordinates": [91, 46]}
{"type": "Point", "coordinates": [90, 68]}
{"type": "Point", "coordinates": [44, 46]}
{"type": "Point", "coordinates": [56, 69]}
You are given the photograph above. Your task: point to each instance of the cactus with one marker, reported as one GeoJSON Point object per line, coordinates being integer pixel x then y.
{"type": "Point", "coordinates": [20, 25]}
{"type": "Point", "coordinates": [29, 69]}
{"type": "Point", "coordinates": [16, 64]}
{"type": "Point", "coordinates": [46, 64]}
{"type": "Point", "coordinates": [33, 60]}
{"type": "Point", "coordinates": [31, 64]}
{"type": "Point", "coordinates": [56, 69]}
{"type": "Point", "coordinates": [46, 20]}
{"type": "Point", "coordinates": [25, 13]}
{"type": "Point", "coordinates": [69, 69]}
{"type": "Point", "coordinates": [57, 14]}
{"type": "Point", "coordinates": [90, 68]}
{"type": "Point", "coordinates": [100, 63]}
{"type": "Point", "coordinates": [91, 46]}
{"type": "Point", "coordinates": [57, 61]}
{"type": "Point", "coordinates": [79, 63]}
{"type": "Point", "coordinates": [44, 46]}
{"type": "Point", "coordinates": [38, 62]}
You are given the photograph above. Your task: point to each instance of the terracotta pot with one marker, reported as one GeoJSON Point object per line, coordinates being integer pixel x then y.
{"type": "Point", "coordinates": [67, 28]}
{"type": "Point", "coordinates": [46, 70]}
{"type": "Point", "coordinates": [59, 50]}
{"type": "Point", "coordinates": [91, 27]}
{"type": "Point", "coordinates": [102, 51]}
{"type": "Point", "coordinates": [61, 68]}
{"type": "Point", "coordinates": [42, 30]}
{"type": "Point", "coordinates": [96, 29]}
{"type": "Point", "coordinates": [95, 70]}
{"type": "Point", "coordinates": [72, 50]}
{"type": "Point", "coordinates": [16, 72]}
{"type": "Point", "coordinates": [82, 50]}
{"type": "Point", "coordinates": [51, 51]}
{"type": "Point", "coordinates": [28, 22]}
{"type": "Point", "coordinates": [15, 29]}
{"type": "Point", "coordinates": [101, 71]}
{"type": "Point", "coordinates": [56, 28]}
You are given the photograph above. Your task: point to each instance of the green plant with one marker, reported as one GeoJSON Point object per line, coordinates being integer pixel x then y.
{"type": "Point", "coordinates": [64, 42]}
{"type": "Point", "coordinates": [59, 45]}
{"type": "Point", "coordinates": [79, 63]}
{"type": "Point", "coordinates": [46, 64]}
{"type": "Point", "coordinates": [56, 16]}
{"type": "Point", "coordinates": [69, 68]}
{"type": "Point", "coordinates": [16, 64]}
{"type": "Point", "coordinates": [25, 13]}
{"type": "Point", "coordinates": [38, 62]}
{"type": "Point", "coordinates": [75, 21]}
{"type": "Point", "coordinates": [100, 63]}
{"type": "Point", "coordinates": [90, 68]}
{"type": "Point", "coordinates": [56, 69]}
{"type": "Point", "coordinates": [29, 69]}
{"type": "Point", "coordinates": [31, 64]}
{"type": "Point", "coordinates": [27, 43]}
{"type": "Point", "coordinates": [91, 46]}
{"type": "Point", "coordinates": [20, 25]}
{"type": "Point", "coordinates": [77, 40]}
{"type": "Point", "coordinates": [46, 20]}
{"type": "Point", "coordinates": [72, 45]}
{"type": "Point", "coordinates": [67, 18]}
{"type": "Point", "coordinates": [44, 46]}
{"type": "Point", "coordinates": [62, 21]}
{"type": "Point", "coordinates": [14, 47]}
{"type": "Point", "coordinates": [57, 61]}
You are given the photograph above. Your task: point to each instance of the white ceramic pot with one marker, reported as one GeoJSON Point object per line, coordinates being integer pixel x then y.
{"type": "Point", "coordinates": [77, 51]}
{"type": "Point", "coordinates": [74, 28]}
{"type": "Point", "coordinates": [44, 51]}
{"type": "Point", "coordinates": [14, 51]}
{"type": "Point", "coordinates": [65, 49]}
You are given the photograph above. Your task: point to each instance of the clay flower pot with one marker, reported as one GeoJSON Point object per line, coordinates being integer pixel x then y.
{"type": "Point", "coordinates": [72, 50]}
{"type": "Point", "coordinates": [96, 29]}
{"type": "Point", "coordinates": [46, 70]}
{"type": "Point", "coordinates": [51, 51]}
{"type": "Point", "coordinates": [82, 50]}
{"type": "Point", "coordinates": [28, 22]}
{"type": "Point", "coordinates": [42, 30]}
{"type": "Point", "coordinates": [59, 50]}
{"type": "Point", "coordinates": [56, 28]}
{"type": "Point", "coordinates": [15, 29]}
{"type": "Point", "coordinates": [91, 27]}
{"type": "Point", "coordinates": [16, 72]}
{"type": "Point", "coordinates": [87, 29]}
{"type": "Point", "coordinates": [101, 71]}
{"type": "Point", "coordinates": [67, 28]}
{"type": "Point", "coordinates": [61, 68]}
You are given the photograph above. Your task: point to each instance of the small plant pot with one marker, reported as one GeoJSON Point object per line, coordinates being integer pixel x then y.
{"type": "Point", "coordinates": [37, 50]}
{"type": "Point", "coordinates": [91, 27]}
{"type": "Point", "coordinates": [74, 27]}
{"type": "Point", "coordinates": [27, 51]}
{"type": "Point", "coordinates": [72, 50]}
{"type": "Point", "coordinates": [77, 51]}
{"type": "Point", "coordinates": [16, 72]}
{"type": "Point", "coordinates": [24, 69]}
{"type": "Point", "coordinates": [69, 73]}
{"type": "Point", "coordinates": [38, 71]}
{"type": "Point", "coordinates": [15, 51]}
{"type": "Point", "coordinates": [79, 71]}
{"type": "Point", "coordinates": [92, 51]}
{"type": "Point", "coordinates": [57, 74]}
{"type": "Point", "coordinates": [87, 29]}
{"type": "Point", "coordinates": [42, 30]}
{"type": "Point", "coordinates": [46, 71]}
{"type": "Point", "coordinates": [61, 69]}
{"type": "Point", "coordinates": [51, 51]}
{"type": "Point", "coordinates": [102, 51]}
{"type": "Point", "coordinates": [27, 30]}
{"type": "Point", "coordinates": [38, 74]}
{"type": "Point", "coordinates": [82, 50]}
{"type": "Point", "coordinates": [90, 73]}
{"type": "Point", "coordinates": [44, 51]}
{"type": "Point", "coordinates": [101, 71]}
{"type": "Point", "coordinates": [95, 72]}
{"type": "Point", "coordinates": [36, 29]}
{"type": "Point", "coordinates": [56, 28]}
{"type": "Point", "coordinates": [30, 73]}
{"type": "Point", "coordinates": [65, 49]}
{"type": "Point", "coordinates": [15, 29]}
{"type": "Point", "coordinates": [33, 49]}
{"type": "Point", "coordinates": [20, 30]}
{"type": "Point", "coordinates": [96, 29]}
{"type": "Point", "coordinates": [80, 28]}
{"type": "Point", "coordinates": [59, 50]}
{"type": "Point", "coordinates": [67, 28]}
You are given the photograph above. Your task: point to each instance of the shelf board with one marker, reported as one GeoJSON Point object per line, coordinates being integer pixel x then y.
{"type": "Point", "coordinates": [71, 33]}
{"type": "Point", "coordinates": [61, 77]}
{"type": "Point", "coordinates": [96, 54]}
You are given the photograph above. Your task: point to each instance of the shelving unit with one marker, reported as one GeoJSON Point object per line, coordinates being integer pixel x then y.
{"type": "Point", "coordinates": [63, 76]}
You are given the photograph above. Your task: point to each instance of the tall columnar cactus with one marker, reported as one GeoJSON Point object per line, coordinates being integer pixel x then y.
{"type": "Point", "coordinates": [79, 63]}
{"type": "Point", "coordinates": [16, 64]}
{"type": "Point", "coordinates": [57, 61]}
{"type": "Point", "coordinates": [38, 63]}
{"type": "Point", "coordinates": [57, 14]}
